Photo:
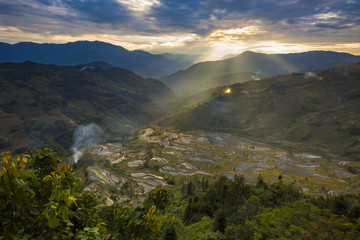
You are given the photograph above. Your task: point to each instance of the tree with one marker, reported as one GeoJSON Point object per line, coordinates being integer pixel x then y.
{"type": "Point", "coordinates": [220, 221]}
{"type": "Point", "coordinates": [190, 189]}
{"type": "Point", "coordinates": [170, 234]}
{"type": "Point", "coordinates": [41, 199]}
{"type": "Point", "coordinates": [148, 155]}
{"type": "Point", "coordinates": [301, 220]}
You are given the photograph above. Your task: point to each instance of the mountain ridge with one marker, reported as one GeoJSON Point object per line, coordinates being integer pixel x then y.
{"type": "Point", "coordinates": [43, 104]}
{"type": "Point", "coordinates": [263, 64]}
{"type": "Point", "coordinates": [297, 110]}
{"type": "Point", "coordinates": [82, 52]}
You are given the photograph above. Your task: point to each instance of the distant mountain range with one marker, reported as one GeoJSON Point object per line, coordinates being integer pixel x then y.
{"type": "Point", "coordinates": [41, 105]}
{"type": "Point", "coordinates": [82, 52]}
{"type": "Point", "coordinates": [300, 111]}
{"type": "Point", "coordinates": [197, 78]}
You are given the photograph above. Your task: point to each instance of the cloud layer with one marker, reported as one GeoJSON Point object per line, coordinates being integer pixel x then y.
{"type": "Point", "coordinates": [186, 24]}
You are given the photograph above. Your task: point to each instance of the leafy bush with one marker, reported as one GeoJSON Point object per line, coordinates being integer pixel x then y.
{"type": "Point", "coordinates": [41, 199]}
{"type": "Point", "coordinates": [233, 209]}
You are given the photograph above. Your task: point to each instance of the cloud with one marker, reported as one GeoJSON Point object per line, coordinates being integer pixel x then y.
{"type": "Point", "coordinates": [199, 17]}
{"type": "Point", "coordinates": [139, 5]}
{"type": "Point", "coordinates": [100, 11]}
{"type": "Point", "coordinates": [190, 12]}
{"type": "Point", "coordinates": [70, 13]}
{"type": "Point", "coordinates": [172, 15]}
{"type": "Point", "coordinates": [233, 34]}
{"type": "Point", "coordinates": [182, 24]}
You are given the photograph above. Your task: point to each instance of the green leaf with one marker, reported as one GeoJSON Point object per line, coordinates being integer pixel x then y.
{"type": "Point", "coordinates": [64, 212]}
{"type": "Point", "coordinates": [84, 237]}
{"type": "Point", "coordinates": [69, 223]}
{"type": "Point", "coordinates": [53, 221]}
{"type": "Point", "coordinates": [34, 211]}
{"type": "Point", "coordinates": [72, 198]}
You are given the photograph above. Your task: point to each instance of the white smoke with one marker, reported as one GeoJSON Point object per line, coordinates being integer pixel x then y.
{"type": "Point", "coordinates": [255, 77]}
{"type": "Point", "coordinates": [310, 75]}
{"type": "Point", "coordinates": [85, 135]}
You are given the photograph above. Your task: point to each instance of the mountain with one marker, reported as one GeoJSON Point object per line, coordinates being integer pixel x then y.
{"type": "Point", "coordinates": [82, 52]}
{"type": "Point", "coordinates": [43, 104]}
{"type": "Point", "coordinates": [184, 60]}
{"type": "Point", "coordinates": [300, 111]}
{"type": "Point", "coordinates": [229, 56]}
{"type": "Point", "coordinates": [198, 75]}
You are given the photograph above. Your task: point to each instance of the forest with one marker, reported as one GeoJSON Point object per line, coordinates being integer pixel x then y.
{"type": "Point", "coordinates": [42, 198]}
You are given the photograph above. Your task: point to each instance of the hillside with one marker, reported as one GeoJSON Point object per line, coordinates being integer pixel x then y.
{"type": "Point", "coordinates": [43, 104]}
{"type": "Point", "coordinates": [83, 52]}
{"type": "Point", "coordinates": [221, 185]}
{"type": "Point", "coordinates": [220, 174]}
{"type": "Point", "coordinates": [307, 112]}
{"type": "Point", "coordinates": [42, 198]}
{"type": "Point", "coordinates": [199, 75]}
{"type": "Point", "coordinates": [153, 156]}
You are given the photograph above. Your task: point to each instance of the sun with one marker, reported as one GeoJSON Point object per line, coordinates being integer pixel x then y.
{"type": "Point", "coordinates": [228, 91]}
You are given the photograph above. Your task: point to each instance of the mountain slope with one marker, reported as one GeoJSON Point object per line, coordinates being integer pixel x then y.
{"type": "Point", "coordinates": [263, 64]}
{"type": "Point", "coordinates": [82, 52]}
{"type": "Point", "coordinates": [317, 113]}
{"type": "Point", "coordinates": [43, 104]}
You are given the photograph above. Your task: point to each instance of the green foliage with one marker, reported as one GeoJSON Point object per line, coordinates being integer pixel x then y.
{"type": "Point", "coordinates": [301, 220]}
{"type": "Point", "coordinates": [298, 132]}
{"type": "Point", "coordinates": [148, 155]}
{"type": "Point", "coordinates": [232, 209]}
{"type": "Point", "coordinates": [143, 221]}
{"type": "Point", "coordinates": [44, 162]}
{"type": "Point", "coordinates": [170, 234]}
{"type": "Point", "coordinates": [43, 199]}
{"type": "Point", "coordinates": [190, 189]}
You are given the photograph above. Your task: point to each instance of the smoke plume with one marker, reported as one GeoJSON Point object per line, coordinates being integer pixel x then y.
{"type": "Point", "coordinates": [85, 135]}
{"type": "Point", "coordinates": [310, 75]}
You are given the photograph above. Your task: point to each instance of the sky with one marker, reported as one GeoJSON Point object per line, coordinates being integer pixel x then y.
{"type": "Point", "coordinates": [212, 28]}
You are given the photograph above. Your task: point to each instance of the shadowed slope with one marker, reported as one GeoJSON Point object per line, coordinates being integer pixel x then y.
{"type": "Point", "coordinates": [197, 78]}
{"type": "Point", "coordinates": [44, 103]}
{"type": "Point", "coordinates": [299, 110]}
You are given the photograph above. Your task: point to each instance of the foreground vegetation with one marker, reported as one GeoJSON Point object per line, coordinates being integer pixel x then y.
{"type": "Point", "coordinates": [41, 198]}
{"type": "Point", "coordinates": [233, 209]}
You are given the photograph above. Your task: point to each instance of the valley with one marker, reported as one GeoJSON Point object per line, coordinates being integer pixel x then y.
{"type": "Point", "coordinates": [163, 156]}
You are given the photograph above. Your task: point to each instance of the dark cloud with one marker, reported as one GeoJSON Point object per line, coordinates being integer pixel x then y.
{"type": "Point", "coordinates": [46, 2]}
{"type": "Point", "coordinates": [9, 9]}
{"type": "Point", "coordinates": [332, 26]}
{"type": "Point", "coordinates": [295, 20]}
{"type": "Point", "coordinates": [96, 11]}
{"type": "Point", "coordinates": [187, 14]}
{"type": "Point", "coordinates": [100, 11]}
{"type": "Point", "coordinates": [179, 14]}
